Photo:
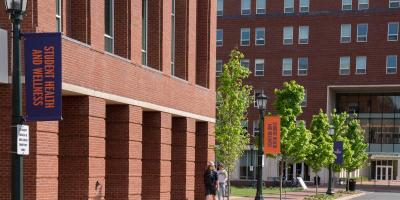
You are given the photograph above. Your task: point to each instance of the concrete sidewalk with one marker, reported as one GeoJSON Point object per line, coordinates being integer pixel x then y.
{"type": "Point", "coordinates": [290, 195]}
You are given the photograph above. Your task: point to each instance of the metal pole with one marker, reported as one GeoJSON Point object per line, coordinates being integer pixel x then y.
{"type": "Point", "coordinates": [330, 189]}
{"type": "Point", "coordinates": [259, 195]}
{"type": "Point", "coordinates": [17, 160]}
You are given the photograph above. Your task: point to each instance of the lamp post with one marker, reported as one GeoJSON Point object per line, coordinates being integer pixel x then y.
{"type": "Point", "coordinates": [16, 10]}
{"type": "Point", "coordinates": [262, 106]}
{"type": "Point", "coordinates": [330, 181]}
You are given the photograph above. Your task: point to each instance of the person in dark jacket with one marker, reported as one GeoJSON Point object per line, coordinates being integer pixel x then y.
{"type": "Point", "coordinates": [210, 181]}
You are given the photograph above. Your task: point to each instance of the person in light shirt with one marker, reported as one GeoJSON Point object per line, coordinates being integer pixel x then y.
{"type": "Point", "coordinates": [222, 178]}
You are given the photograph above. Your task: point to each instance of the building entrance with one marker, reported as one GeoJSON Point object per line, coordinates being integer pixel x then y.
{"type": "Point", "coordinates": [384, 173]}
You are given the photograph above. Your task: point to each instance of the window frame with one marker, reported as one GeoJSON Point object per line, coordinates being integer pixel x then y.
{"type": "Point", "coordinates": [288, 4]}
{"type": "Point", "coordinates": [255, 36]}
{"type": "Point", "coordinates": [256, 91]}
{"type": "Point", "coordinates": [308, 6]}
{"type": "Point", "coordinates": [359, 5]}
{"type": "Point", "coordinates": [264, 8]}
{"type": "Point", "coordinates": [303, 104]}
{"type": "Point", "coordinates": [365, 66]}
{"type": "Point", "coordinates": [242, 30]}
{"type": "Point", "coordinates": [286, 70]}
{"type": "Point", "coordinates": [220, 10]}
{"type": "Point", "coordinates": [145, 24]}
{"type": "Point", "coordinates": [366, 34]}
{"type": "Point", "coordinates": [308, 35]}
{"type": "Point", "coordinates": [257, 62]}
{"type": "Point", "coordinates": [256, 124]}
{"type": "Point", "coordinates": [220, 43]}
{"type": "Point", "coordinates": [291, 35]}
{"type": "Point", "coordinates": [245, 9]}
{"type": "Point", "coordinates": [59, 16]}
{"type": "Point", "coordinates": [112, 24]}
{"type": "Point", "coordinates": [343, 5]}
{"type": "Point", "coordinates": [394, 1]}
{"type": "Point", "coordinates": [397, 32]}
{"type": "Point", "coordinates": [299, 69]}
{"type": "Point", "coordinates": [341, 64]}
{"type": "Point", "coordinates": [341, 33]}
{"type": "Point", "coordinates": [173, 36]}
{"type": "Point", "coordinates": [388, 67]}
{"type": "Point", "coordinates": [245, 60]}
{"type": "Point", "coordinates": [218, 72]}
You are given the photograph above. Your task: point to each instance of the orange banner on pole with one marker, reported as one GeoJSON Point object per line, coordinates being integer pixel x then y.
{"type": "Point", "coordinates": [272, 135]}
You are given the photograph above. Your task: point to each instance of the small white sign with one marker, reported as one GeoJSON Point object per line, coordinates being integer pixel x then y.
{"type": "Point", "coordinates": [23, 140]}
{"type": "Point", "coordinates": [263, 160]}
{"type": "Point", "coordinates": [3, 56]}
{"type": "Point", "coordinates": [251, 168]}
{"type": "Point", "coordinates": [302, 183]}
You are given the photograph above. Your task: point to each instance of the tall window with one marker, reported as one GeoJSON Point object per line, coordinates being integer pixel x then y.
{"type": "Point", "coordinates": [304, 6]}
{"type": "Point", "coordinates": [303, 34]}
{"type": "Point", "coordinates": [260, 36]}
{"type": "Point", "coordinates": [289, 6]}
{"type": "Point", "coordinates": [362, 32]}
{"type": "Point", "coordinates": [391, 64]}
{"type": "Point", "coordinates": [361, 64]}
{"type": "Point", "coordinates": [173, 37]}
{"type": "Point", "coordinates": [109, 26]}
{"type": "Point", "coordinates": [256, 93]}
{"type": "Point", "coordinates": [246, 7]}
{"type": "Point", "coordinates": [245, 63]}
{"type": "Point", "coordinates": [144, 31]}
{"type": "Point", "coordinates": [261, 7]}
{"type": "Point", "coordinates": [344, 65]}
{"type": "Point", "coordinates": [244, 36]}
{"type": "Point", "coordinates": [303, 66]}
{"type": "Point", "coordinates": [347, 4]}
{"type": "Point", "coordinates": [288, 35]}
{"type": "Point", "coordinates": [345, 33]}
{"type": "Point", "coordinates": [287, 67]}
{"type": "Point", "coordinates": [259, 67]}
{"type": "Point", "coordinates": [394, 3]}
{"type": "Point", "coordinates": [220, 37]}
{"type": "Point", "coordinates": [219, 67]}
{"type": "Point", "coordinates": [393, 31]}
{"type": "Point", "coordinates": [220, 7]}
{"type": "Point", "coordinates": [58, 16]}
{"type": "Point", "coordinates": [363, 4]}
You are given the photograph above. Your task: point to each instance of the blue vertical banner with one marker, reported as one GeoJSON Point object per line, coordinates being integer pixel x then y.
{"type": "Point", "coordinates": [338, 150]}
{"type": "Point", "coordinates": [43, 76]}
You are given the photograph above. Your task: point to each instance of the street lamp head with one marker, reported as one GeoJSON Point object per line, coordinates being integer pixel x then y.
{"type": "Point", "coordinates": [16, 6]}
{"type": "Point", "coordinates": [262, 101]}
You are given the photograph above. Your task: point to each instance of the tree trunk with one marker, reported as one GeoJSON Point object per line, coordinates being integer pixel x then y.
{"type": "Point", "coordinates": [316, 181]}
{"type": "Point", "coordinates": [347, 181]}
{"type": "Point", "coordinates": [229, 185]}
{"type": "Point", "coordinates": [280, 180]}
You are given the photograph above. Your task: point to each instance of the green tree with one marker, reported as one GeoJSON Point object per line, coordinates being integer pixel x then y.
{"type": "Point", "coordinates": [321, 154]}
{"type": "Point", "coordinates": [339, 124]}
{"type": "Point", "coordinates": [294, 135]}
{"type": "Point", "coordinates": [233, 100]}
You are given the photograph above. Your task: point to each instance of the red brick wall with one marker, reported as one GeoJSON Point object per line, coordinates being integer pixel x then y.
{"type": "Point", "coordinates": [122, 31]}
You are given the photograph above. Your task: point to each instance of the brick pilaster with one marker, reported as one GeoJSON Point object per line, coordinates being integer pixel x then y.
{"type": "Point", "coordinates": [205, 141]}
{"type": "Point", "coordinates": [183, 158]}
{"type": "Point", "coordinates": [156, 160]}
{"type": "Point", "coordinates": [123, 152]}
{"type": "Point", "coordinates": [82, 147]}
{"type": "Point", "coordinates": [5, 141]}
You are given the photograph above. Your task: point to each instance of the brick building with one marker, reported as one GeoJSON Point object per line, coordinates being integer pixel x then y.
{"type": "Point", "coordinates": [344, 52]}
{"type": "Point", "coordinates": [138, 101]}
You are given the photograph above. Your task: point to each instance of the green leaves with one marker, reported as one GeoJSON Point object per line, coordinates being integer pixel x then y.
{"type": "Point", "coordinates": [233, 99]}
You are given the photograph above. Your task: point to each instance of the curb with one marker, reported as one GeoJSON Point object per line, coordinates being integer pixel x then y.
{"type": "Point", "coordinates": [351, 196]}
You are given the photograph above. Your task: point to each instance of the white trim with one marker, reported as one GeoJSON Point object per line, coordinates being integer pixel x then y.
{"type": "Point", "coordinates": [125, 100]}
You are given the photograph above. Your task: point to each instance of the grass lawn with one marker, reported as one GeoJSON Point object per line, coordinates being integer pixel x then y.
{"type": "Point", "coordinates": [251, 192]}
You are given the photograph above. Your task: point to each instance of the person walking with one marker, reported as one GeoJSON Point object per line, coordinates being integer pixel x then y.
{"type": "Point", "coordinates": [222, 178]}
{"type": "Point", "coordinates": [210, 181]}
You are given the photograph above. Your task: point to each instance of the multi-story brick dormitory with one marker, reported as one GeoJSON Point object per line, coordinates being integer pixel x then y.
{"type": "Point", "coordinates": [344, 52]}
{"type": "Point", "coordinates": [138, 101]}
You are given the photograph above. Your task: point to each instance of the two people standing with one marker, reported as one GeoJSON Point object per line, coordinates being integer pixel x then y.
{"type": "Point", "coordinates": [215, 181]}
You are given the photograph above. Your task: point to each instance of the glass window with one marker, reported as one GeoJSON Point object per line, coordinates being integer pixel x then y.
{"type": "Point", "coordinates": [288, 35]}
{"type": "Point", "coordinates": [362, 32]}
{"type": "Point", "coordinates": [303, 66]}
{"type": "Point", "coordinates": [287, 66]}
{"type": "Point", "coordinates": [173, 37]}
{"type": "Point", "coordinates": [220, 37]}
{"type": "Point", "coordinates": [245, 63]}
{"type": "Point", "coordinates": [256, 93]}
{"type": "Point", "coordinates": [304, 6]}
{"type": "Point", "coordinates": [304, 102]}
{"type": "Point", "coordinates": [260, 36]}
{"type": "Point", "coordinates": [361, 64]}
{"type": "Point", "coordinates": [256, 128]}
{"type": "Point", "coordinates": [219, 67]}
{"type": "Point", "coordinates": [347, 4]}
{"type": "Point", "coordinates": [391, 64]}
{"type": "Point", "coordinates": [393, 31]}
{"type": "Point", "coordinates": [220, 7]}
{"type": "Point", "coordinates": [246, 7]}
{"type": "Point", "coordinates": [259, 67]}
{"type": "Point", "coordinates": [144, 32]}
{"type": "Point", "coordinates": [58, 16]}
{"type": "Point", "coordinates": [394, 3]}
{"type": "Point", "coordinates": [289, 6]}
{"type": "Point", "coordinates": [363, 4]}
{"type": "Point", "coordinates": [245, 37]}
{"type": "Point", "coordinates": [261, 7]}
{"type": "Point", "coordinates": [344, 65]}
{"type": "Point", "coordinates": [345, 33]}
{"type": "Point", "coordinates": [109, 26]}
{"type": "Point", "coordinates": [303, 34]}
{"type": "Point", "coordinates": [245, 125]}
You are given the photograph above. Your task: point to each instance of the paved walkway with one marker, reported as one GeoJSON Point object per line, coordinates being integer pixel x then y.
{"type": "Point", "coordinates": [380, 195]}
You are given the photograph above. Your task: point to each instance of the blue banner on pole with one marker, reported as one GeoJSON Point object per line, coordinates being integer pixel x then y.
{"type": "Point", "coordinates": [43, 76]}
{"type": "Point", "coordinates": [338, 150]}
